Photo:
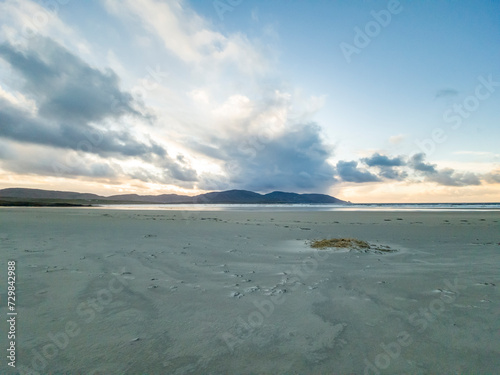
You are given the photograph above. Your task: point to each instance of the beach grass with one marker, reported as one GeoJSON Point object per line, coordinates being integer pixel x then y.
{"type": "Point", "coordinates": [351, 243]}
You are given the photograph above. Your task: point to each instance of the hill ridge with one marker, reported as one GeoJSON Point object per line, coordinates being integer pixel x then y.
{"type": "Point", "coordinates": [234, 196]}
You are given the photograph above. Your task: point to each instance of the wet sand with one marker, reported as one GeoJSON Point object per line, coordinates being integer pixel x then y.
{"type": "Point", "coordinates": [171, 292]}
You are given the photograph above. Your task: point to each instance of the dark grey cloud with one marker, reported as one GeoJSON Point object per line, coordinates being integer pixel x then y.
{"type": "Point", "coordinates": [51, 164]}
{"type": "Point", "coordinates": [294, 160]}
{"type": "Point", "coordinates": [179, 170]}
{"type": "Point", "coordinates": [208, 150]}
{"type": "Point", "coordinates": [74, 102]}
{"type": "Point", "coordinates": [387, 166]}
{"type": "Point", "coordinates": [66, 88]}
{"type": "Point", "coordinates": [172, 174]}
{"type": "Point", "coordinates": [493, 177]}
{"type": "Point", "coordinates": [398, 168]}
{"type": "Point", "coordinates": [383, 160]}
{"type": "Point", "coordinates": [417, 163]}
{"type": "Point", "coordinates": [104, 144]}
{"type": "Point", "coordinates": [21, 126]}
{"type": "Point", "coordinates": [349, 171]}
{"type": "Point", "coordinates": [446, 93]}
{"type": "Point", "coordinates": [446, 176]}
{"type": "Point", "coordinates": [392, 173]}
{"type": "Point", "coordinates": [449, 177]}
{"type": "Point", "coordinates": [72, 99]}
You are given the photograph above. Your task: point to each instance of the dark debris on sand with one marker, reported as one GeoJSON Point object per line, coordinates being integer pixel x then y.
{"type": "Point", "coordinates": [350, 243]}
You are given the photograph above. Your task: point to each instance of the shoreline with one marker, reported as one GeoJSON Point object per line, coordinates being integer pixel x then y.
{"type": "Point", "coordinates": [417, 207]}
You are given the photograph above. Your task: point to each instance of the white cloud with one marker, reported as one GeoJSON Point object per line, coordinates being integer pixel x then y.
{"type": "Point", "coordinates": [235, 108]}
{"type": "Point", "coordinates": [200, 96]}
{"type": "Point", "coordinates": [397, 139]}
{"type": "Point", "coordinates": [22, 20]}
{"type": "Point", "coordinates": [188, 36]}
{"type": "Point", "coordinates": [17, 99]}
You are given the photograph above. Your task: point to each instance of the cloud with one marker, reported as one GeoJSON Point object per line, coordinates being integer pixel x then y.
{"type": "Point", "coordinates": [223, 113]}
{"type": "Point", "coordinates": [21, 126]}
{"type": "Point", "coordinates": [262, 144]}
{"type": "Point", "coordinates": [417, 163]}
{"type": "Point", "coordinates": [64, 86]}
{"type": "Point", "coordinates": [75, 107]}
{"type": "Point", "coordinates": [397, 139]}
{"type": "Point", "coordinates": [295, 159]}
{"type": "Point", "coordinates": [348, 171]}
{"type": "Point", "coordinates": [448, 177]}
{"type": "Point", "coordinates": [82, 110]}
{"type": "Point", "coordinates": [493, 177]}
{"type": "Point", "coordinates": [445, 176]}
{"type": "Point", "coordinates": [188, 36]}
{"type": "Point", "coordinates": [446, 93]}
{"type": "Point", "coordinates": [171, 174]}
{"type": "Point", "coordinates": [46, 161]}
{"type": "Point", "coordinates": [402, 169]}
{"type": "Point", "coordinates": [386, 166]}
{"type": "Point", "coordinates": [179, 169]}
{"type": "Point", "coordinates": [40, 160]}
{"type": "Point", "coordinates": [71, 99]}
{"type": "Point", "coordinates": [392, 173]}
{"type": "Point", "coordinates": [382, 160]}
{"type": "Point", "coordinates": [24, 20]}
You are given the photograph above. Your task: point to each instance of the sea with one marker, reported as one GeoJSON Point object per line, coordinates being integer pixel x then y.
{"type": "Point", "coordinates": [311, 207]}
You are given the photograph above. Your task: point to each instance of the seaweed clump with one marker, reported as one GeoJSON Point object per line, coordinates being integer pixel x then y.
{"type": "Point", "coordinates": [351, 243]}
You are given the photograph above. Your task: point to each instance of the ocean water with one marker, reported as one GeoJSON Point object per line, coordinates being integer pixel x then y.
{"type": "Point", "coordinates": [311, 207]}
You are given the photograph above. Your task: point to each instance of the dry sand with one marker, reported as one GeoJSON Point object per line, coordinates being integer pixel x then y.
{"type": "Point", "coordinates": [170, 292]}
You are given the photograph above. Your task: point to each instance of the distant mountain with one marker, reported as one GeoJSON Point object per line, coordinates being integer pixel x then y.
{"type": "Point", "coordinates": [44, 194]}
{"type": "Point", "coordinates": [229, 196]}
{"type": "Point", "coordinates": [164, 198]}
{"type": "Point", "coordinates": [282, 197]}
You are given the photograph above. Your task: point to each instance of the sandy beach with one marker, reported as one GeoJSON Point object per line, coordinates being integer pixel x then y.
{"type": "Point", "coordinates": [103, 291]}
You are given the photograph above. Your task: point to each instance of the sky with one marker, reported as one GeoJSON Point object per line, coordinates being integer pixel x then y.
{"type": "Point", "coordinates": [368, 101]}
